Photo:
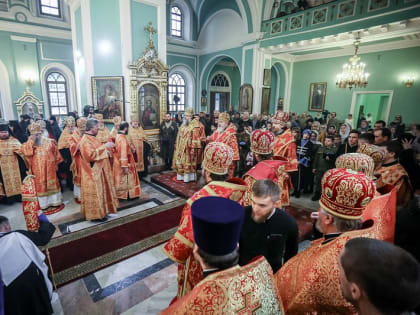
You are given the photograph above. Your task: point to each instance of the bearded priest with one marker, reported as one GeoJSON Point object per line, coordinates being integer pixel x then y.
{"type": "Point", "coordinates": [187, 146]}
{"type": "Point", "coordinates": [226, 133]}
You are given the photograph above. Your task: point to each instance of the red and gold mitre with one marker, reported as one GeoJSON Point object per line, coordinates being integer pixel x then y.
{"type": "Point", "coordinates": [134, 118]}
{"type": "Point", "coordinates": [280, 116]}
{"type": "Point", "coordinates": [218, 158]}
{"type": "Point", "coordinates": [373, 151]}
{"type": "Point", "coordinates": [189, 111]}
{"type": "Point", "coordinates": [346, 193]}
{"type": "Point", "coordinates": [117, 120]}
{"type": "Point", "coordinates": [99, 117]}
{"type": "Point", "coordinates": [224, 117]}
{"type": "Point", "coordinates": [69, 121]}
{"type": "Point", "coordinates": [358, 162]}
{"type": "Point", "coordinates": [81, 123]}
{"type": "Point", "coordinates": [262, 141]}
{"type": "Point", "coordinates": [35, 128]}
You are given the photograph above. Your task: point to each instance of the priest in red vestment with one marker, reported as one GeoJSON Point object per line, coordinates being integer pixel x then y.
{"type": "Point", "coordinates": [267, 168]}
{"type": "Point", "coordinates": [216, 163]}
{"type": "Point", "coordinates": [43, 157]}
{"type": "Point", "coordinates": [76, 157]}
{"type": "Point", "coordinates": [226, 133]}
{"type": "Point", "coordinates": [309, 282]}
{"type": "Point", "coordinates": [126, 179]}
{"type": "Point", "coordinates": [226, 288]}
{"type": "Point", "coordinates": [284, 144]}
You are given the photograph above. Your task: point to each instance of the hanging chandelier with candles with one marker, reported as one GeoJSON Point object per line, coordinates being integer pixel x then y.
{"type": "Point", "coordinates": [353, 74]}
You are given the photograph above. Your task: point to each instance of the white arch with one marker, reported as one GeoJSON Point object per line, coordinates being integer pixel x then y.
{"type": "Point", "coordinates": [238, 38]}
{"type": "Point", "coordinates": [71, 84]}
{"type": "Point", "coordinates": [189, 78]}
{"type": "Point", "coordinates": [211, 60]}
{"type": "Point", "coordinates": [186, 18]}
{"type": "Point", "coordinates": [267, 10]}
{"type": "Point", "coordinates": [5, 94]}
{"type": "Point", "coordinates": [287, 85]}
{"type": "Point", "coordinates": [221, 89]}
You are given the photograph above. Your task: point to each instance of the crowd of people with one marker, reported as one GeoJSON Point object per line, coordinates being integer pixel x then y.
{"type": "Point", "coordinates": [235, 243]}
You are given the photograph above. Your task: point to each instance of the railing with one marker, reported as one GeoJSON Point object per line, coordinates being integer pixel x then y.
{"type": "Point", "coordinates": [334, 13]}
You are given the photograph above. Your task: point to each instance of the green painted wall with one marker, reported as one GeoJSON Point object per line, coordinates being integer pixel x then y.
{"type": "Point", "coordinates": [21, 57]}
{"type": "Point", "coordinates": [235, 79]}
{"type": "Point", "coordinates": [179, 59]}
{"type": "Point", "coordinates": [387, 69]}
{"type": "Point", "coordinates": [248, 65]}
{"type": "Point", "coordinates": [105, 26]}
{"type": "Point", "coordinates": [81, 63]}
{"type": "Point", "coordinates": [375, 104]}
{"type": "Point", "coordinates": [141, 15]}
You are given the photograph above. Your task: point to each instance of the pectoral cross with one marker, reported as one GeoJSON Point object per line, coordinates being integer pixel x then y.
{"type": "Point", "coordinates": [150, 30]}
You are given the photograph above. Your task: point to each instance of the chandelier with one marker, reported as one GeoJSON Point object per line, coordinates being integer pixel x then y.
{"type": "Point", "coordinates": [353, 74]}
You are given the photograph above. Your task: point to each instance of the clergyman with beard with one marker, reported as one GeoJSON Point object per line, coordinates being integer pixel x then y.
{"type": "Point", "coordinates": [168, 132]}
{"type": "Point", "coordinates": [267, 231]}
{"type": "Point", "coordinates": [187, 147]}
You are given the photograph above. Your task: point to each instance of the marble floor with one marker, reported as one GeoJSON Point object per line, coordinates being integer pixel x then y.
{"type": "Point", "coordinates": [142, 284]}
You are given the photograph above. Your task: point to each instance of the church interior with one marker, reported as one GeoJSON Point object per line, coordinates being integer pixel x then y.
{"type": "Point", "coordinates": [149, 58]}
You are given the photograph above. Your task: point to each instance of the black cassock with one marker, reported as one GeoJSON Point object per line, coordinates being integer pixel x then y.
{"type": "Point", "coordinates": [28, 293]}
{"type": "Point", "coordinates": [167, 142]}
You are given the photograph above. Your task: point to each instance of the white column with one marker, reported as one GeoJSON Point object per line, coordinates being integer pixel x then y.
{"type": "Point", "coordinates": [87, 48]}
{"type": "Point", "coordinates": [76, 56]}
{"type": "Point", "coordinates": [257, 79]}
{"type": "Point", "coordinates": [126, 51]}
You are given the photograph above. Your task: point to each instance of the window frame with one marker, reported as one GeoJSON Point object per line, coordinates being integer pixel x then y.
{"type": "Point", "coordinates": [177, 110]}
{"type": "Point", "coordinates": [59, 16]}
{"type": "Point", "coordinates": [66, 93]}
{"type": "Point", "coordinates": [181, 21]}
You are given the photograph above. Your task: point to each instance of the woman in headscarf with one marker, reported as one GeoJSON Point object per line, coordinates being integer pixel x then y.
{"type": "Point", "coordinates": [344, 132]}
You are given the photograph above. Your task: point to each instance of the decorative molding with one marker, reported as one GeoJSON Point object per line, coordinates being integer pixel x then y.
{"type": "Point", "coordinates": [16, 27]}
{"type": "Point", "coordinates": [377, 5]}
{"type": "Point", "coordinates": [342, 24]}
{"type": "Point", "coordinates": [348, 51]}
{"type": "Point", "coordinates": [23, 39]}
{"type": "Point", "coordinates": [182, 55]}
{"type": "Point", "coordinates": [21, 14]}
{"type": "Point", "coordinates": [382, 32]}
{"type": "Point", "coordinates": [344, 9]}
{"type": "Point", "coordinates": [41, 47]}
{"type": "Point", "coordinates": [244, 49]}
{"type": "Point", "coordinates": [181, 42]}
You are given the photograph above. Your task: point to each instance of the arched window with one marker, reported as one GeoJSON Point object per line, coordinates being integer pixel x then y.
{"type": "Point", "coordinates": [176, 93]}
{"type": "Point", "coordinates": [57, 94]}
{"type": "Point", "coordinates": [50, 7]}
{"type": "Point", "coordinates": [220, 80]}
{"type": "Point", "coordinates": [176, 21]}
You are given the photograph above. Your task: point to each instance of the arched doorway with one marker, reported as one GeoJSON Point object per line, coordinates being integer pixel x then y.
{"type": "Point", "coordinates": [223, 86]}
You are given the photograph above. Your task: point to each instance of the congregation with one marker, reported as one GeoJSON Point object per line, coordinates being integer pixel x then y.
{"type": "Point", "coordinates": [235, 227]}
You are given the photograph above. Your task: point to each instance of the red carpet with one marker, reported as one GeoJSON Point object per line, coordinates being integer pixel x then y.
{"type": "Point", "coordinates": [304, 221]}
{"type": "Point", "coordinates": [169, 181]}
{"type": "Point", "coordinates": [81, 250]}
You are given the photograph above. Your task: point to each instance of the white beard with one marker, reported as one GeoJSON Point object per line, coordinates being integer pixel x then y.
{"type": "Point", "coordinates": [185, 123]}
